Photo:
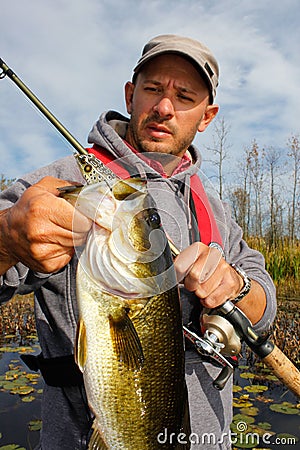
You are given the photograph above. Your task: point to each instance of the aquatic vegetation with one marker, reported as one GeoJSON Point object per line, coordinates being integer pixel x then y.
{"type": "Point", "coordinates": [19, 389]}
{"type": "Point", "coordinates": [260, 400]}
{"type": "Point", "coordinates": [257, 398]}
{"type": "Point", "coordinates": [286, 408]}
{"type": "Point", "coordinates": [12, 447]}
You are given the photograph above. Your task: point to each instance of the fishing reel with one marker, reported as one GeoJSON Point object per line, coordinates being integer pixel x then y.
{"type": "Point", "coordinates": [219, 342]}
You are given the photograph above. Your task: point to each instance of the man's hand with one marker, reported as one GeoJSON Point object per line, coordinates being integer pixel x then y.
{"type": "Point", "coordinates": [40, 229]}
{"type": "Point", "coordinates": [207, 274]}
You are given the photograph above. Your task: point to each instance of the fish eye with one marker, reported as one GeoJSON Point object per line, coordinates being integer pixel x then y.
{"type": "Point", "coordinates": [153, 219]}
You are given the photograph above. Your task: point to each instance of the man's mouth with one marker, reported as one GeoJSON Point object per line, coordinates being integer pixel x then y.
{"type": "Point", "coordinates": [158, 131]}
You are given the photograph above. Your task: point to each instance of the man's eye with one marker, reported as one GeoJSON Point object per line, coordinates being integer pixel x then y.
{"type": "Point", "coordinates": [185, 98]}
{"type": "Point", "coordinates": [151, 89]}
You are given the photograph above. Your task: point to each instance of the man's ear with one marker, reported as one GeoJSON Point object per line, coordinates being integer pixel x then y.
{"type": "Point", "coordinates": [129, 89]}
{"type": "Point", "coordinates": [209, 115]}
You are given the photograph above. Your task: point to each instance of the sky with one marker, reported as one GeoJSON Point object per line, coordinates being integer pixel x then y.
{"type": "Point", "coordinates": [76, 56]}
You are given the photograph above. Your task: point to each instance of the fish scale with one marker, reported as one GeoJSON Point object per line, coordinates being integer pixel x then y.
{"type": "Point", "coordinates": [137, 405]}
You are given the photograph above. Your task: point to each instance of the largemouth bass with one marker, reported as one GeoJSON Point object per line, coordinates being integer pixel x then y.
{"type": "Point", "coordinates": [130, 340]}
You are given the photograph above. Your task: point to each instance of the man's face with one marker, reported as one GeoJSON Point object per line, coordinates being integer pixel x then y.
{"type": "Point", "coordinates": [168, 105]}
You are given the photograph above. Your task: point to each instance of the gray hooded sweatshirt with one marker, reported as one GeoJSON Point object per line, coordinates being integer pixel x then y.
{"type": "Point", "coordinates": [65, 414]}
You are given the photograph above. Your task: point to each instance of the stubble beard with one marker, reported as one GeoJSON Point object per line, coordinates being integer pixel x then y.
{"type": "Point", "coordinates": [152, 144]}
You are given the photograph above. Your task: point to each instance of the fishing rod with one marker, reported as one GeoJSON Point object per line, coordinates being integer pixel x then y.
{"type": "Point", "coordinates": [91, 168]}
{"type": "Point", "coordinates": [220, 337]}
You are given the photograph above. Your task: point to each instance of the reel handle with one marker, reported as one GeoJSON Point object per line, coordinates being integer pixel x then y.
{"type": "Point", "coordinates": [222, 378]}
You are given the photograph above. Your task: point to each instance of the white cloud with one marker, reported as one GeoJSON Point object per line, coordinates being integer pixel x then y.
{"type": "Point", "coordinates": [76, 56]}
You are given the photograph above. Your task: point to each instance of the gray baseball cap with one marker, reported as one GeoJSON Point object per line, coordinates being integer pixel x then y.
{"type": "Point", "coordinates": [195, 51]}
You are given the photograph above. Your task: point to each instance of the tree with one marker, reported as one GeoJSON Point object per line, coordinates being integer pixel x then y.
{"type": "Point", "coordinates": [294, 154]}
{"type": "Point", "coordinates": [244, 194]}
{"type": "Point", "coordinates": [219, 148]}
{"type": "Point", "coordinates": [255, 163]}
{"type": "Point", "coordinates": [5, 182]}
{"type": "Point", "coordinates": [239, 199]}
{"type": "Point", "coordinates": [273, 158]}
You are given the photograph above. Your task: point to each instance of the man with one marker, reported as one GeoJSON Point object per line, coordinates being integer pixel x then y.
{"type": "Point", "coordinates": [170, 99]}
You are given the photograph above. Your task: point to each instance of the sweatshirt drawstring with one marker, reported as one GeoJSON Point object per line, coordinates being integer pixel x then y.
{"type": "Point", "coordinates": [186, 199]}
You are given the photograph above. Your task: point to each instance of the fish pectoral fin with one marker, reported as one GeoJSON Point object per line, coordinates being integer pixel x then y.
{"type": "Point", "coordinates": [80, 345]}
{"type": "Point", "coordinates": [126, 342]}
{"type": "Point", "coordinates": [96, 442]}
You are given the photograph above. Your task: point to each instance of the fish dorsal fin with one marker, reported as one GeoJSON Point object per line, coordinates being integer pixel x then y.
{"type": "Point", "coordinates": [96, 442]}
{"type": "Point", "coordinates": [80, 345]}
{"type": "Point", "coordinates": [126, 342]}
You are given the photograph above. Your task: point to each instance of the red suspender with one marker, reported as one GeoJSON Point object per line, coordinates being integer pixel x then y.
{"type": "Point", "coordinates": [207, 225]}
{"type": "Point", "coordinates": [108, 159]}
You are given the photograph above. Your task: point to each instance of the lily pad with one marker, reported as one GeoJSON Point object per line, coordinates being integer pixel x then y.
{"type": "Point", "coordinates": [28, 399]}
{"type": "Point", "coordinates": [236, 388]}
{"type": "Point", "coordinates": [237, 403]}
{"type": "Point", "coordinates": [24, 349]}
{"type": "Point", "coordinates": [242, 401]}
{"type": "Point", "coordinates": [35, 425]}
{"type": "Point", "coordinates": [242, 418]}
{"type": "Point", "coordinates": [32, 336]}
{"type": "Point", "coordinates": [246, 440]}
{"type": "Point", "coordinates": [8, 385]}
{"type": "Point", "coordinates": [248, 375]}
{"type": "Point", "coordinates": [255, 429]}
{"type": "Point", "coordinates": [6, 350]}
{"type": "Point", "coordinates": [251, 411]}
{"type": "Point", "coordinates": [13, 366]}
{"type": "Point", "coordinates": [288, 438]}
{"type": "Point", "coordinates": [256, 388]}
{"type": "Point", "coordinates": [271, 378]}
{"type": "Point", "coordinates": [33, 377]}
{"type": "Point", "coordinates": [12, 447]}
{"type": "Point", "coordinates": [265, 425]}
{"type": "Point", "coordinates": [22, 390]}
{"type": "Point", "coordinates": [285, 408]}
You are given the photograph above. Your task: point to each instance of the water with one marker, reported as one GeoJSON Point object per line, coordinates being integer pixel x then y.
{"type": "Point", "coordinates": [270, 429]}
{"type": "Point", "coordinates": [19, 413]}
{"type": "Point", "coordinates": [16, 416]}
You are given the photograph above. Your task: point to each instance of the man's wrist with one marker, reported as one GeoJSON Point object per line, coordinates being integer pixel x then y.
{"type": "Point", "coordinates": [246, 284]}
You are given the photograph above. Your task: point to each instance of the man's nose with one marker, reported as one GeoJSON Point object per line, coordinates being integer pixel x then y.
{"type": "Point", "coordinates": [164, 107]}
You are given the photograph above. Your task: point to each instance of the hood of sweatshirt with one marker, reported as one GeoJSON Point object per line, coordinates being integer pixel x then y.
{"type": "Point", "coordinates": [109, 132]}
